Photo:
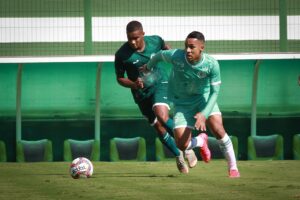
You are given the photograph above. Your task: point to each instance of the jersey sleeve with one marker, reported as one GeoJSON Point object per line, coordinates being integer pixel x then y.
{"type": "Point", "coordinates": [212, 99]}
{"type": "Point", "coordinates": [215, 81]}
{"type": "Point", "coordinates": [215, 77]}
{"type": "Point", "coordinates": [164, 55]}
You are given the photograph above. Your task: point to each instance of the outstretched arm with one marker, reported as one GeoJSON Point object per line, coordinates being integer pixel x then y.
{"type": "Point", "coordinates": [164, 55]}
{"type": "Point", "coordinates": [204, 114]}
{"type": "Point", "coordinates": [153, 61]}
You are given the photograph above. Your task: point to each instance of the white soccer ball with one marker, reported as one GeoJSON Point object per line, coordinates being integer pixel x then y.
{"type": "Point", "coordinates": [81, 168]}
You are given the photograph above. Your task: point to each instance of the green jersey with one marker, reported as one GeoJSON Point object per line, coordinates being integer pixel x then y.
{"type": "Point", "coordinates": [128, 61]}
{"type": "Point", "coordinates": [189, 83]}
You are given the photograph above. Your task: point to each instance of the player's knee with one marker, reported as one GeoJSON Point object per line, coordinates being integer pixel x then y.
{"type": "Point", "coordinates": [162, 117]}
{"type": "Point", "coordinates": [159, 127]}
{"type": "Point", "coordinates": [162, 114]}
{"type": "Point", "coordinates": [182, 146]}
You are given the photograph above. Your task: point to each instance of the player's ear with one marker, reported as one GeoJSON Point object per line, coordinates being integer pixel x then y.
{"type": "Point", "coordinates": [202, 46]}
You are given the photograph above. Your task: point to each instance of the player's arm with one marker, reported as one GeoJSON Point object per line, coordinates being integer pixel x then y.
{"type": "Point", "coordinates": [164, 55]}
{"type": "Point", "coordinates": [124, 81]}
{"type": "Point", "coordinates": [215, 83]}
{"type": "Point", "coordinates": [212, 99]}
{"type": "Point", "coordinates": [203, 114]}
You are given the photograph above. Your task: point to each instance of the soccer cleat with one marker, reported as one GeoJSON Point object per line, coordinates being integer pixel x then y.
{"type": "Point", "coordinates": [204, 150]}
{"type": "Point", "coordinates": [191, 158]}
{"type": "Point", "coordinates": [181, 165]}
{"type": "Point", "coordinates": [234, 173]}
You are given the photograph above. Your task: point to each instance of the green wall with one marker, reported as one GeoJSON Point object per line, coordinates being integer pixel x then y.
{"type": "Point", "coordinates": [58, 102]}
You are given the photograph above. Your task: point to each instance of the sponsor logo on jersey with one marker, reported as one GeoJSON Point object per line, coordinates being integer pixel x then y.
{"type": "Point", "coordinates": [135, 62]}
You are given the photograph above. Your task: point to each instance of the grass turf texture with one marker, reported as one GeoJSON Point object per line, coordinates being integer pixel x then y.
{"type": "Point", "coordinates": [151, 180]}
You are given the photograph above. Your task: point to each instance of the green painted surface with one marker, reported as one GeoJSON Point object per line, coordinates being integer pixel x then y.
{"type": "Point", "coordinates": [41, 49]}
{"type": "Point", "coordinates": [88, 40]}
{"type": "Point", "coordinates": [283, 25]}
{"type": "Point", "coordinates": [58, 102]}
{"type": "Point", "coordinates": [41, 8]}
{"type": "Point", "coordinates": [8, 77]}
{"type": "Point", "coordinates": [184, 8]}
{"type": "Point", "coordinates": [75, 8]}
{"type": "Point", "coordinates": [67, 90]}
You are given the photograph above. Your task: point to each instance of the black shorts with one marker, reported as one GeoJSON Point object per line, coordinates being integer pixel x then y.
{"type": "Point", "coordinates": [159, 97]}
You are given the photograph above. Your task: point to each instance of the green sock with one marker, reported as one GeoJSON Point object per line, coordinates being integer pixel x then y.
{"type": "Point", "coordinates": [169, 126]}
{"type": "Point", "coordinates": [169, 142]}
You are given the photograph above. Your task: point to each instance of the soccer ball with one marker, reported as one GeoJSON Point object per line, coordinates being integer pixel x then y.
{"type": "Point", "coordinates": [81, 168]}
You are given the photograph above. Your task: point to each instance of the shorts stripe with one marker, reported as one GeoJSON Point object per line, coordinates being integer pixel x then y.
{"type": "Point", "coordinates": [184, 126]}
{"type": "Point", "coordinates": [215, 113]}
{"type": "Point", "coordinates": [161, 104]}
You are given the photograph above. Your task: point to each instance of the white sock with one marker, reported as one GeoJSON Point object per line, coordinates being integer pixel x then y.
{"type": "Point", "coordinates": [228, 151]}
{"type": "Point", "coordinates": [195, 142]}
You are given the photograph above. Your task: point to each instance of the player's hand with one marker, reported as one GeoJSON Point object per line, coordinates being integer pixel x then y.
{"type": "Point", "coordinates": [200, 122]}
{"type": "Point", "coordinates": [144, 69]}
{"type": "Point", "coordinates": [139, 83]}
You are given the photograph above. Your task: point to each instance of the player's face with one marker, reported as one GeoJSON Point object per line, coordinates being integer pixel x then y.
{"type": "Point", "coordinates": [136, 40]}
{"type": "Point", "coordinates": [193, 48]}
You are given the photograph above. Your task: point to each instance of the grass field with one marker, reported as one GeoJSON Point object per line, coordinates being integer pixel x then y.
{"type": "Point", "coordinates": [151, 180]}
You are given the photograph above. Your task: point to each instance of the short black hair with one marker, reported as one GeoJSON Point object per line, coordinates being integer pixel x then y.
{"type": "Point", "coordinates": [196, 34]}
{"type": "Point", "coordinates": [133, 26]}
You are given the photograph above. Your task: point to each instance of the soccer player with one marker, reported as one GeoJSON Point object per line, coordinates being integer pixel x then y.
{"type": "Point", "coordinates": [193, 87]}
{"type": "Point", "coordinates": [149, 90]}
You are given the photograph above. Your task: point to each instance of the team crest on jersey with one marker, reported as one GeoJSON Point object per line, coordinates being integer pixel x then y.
{"type": "Point", "coordinates": [201, 74]}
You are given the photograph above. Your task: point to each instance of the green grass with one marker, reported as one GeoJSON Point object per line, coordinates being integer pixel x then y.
{"type": "Point", "coordinates": [151, 180]}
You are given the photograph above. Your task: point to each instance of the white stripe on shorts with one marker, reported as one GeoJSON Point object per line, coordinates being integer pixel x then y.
{"type": "Point", "coordinates": [161, 104]}
{"type": "Point", "coordinates": [215, 113]}
{"type": "Point", "coordinates": [184, 126]}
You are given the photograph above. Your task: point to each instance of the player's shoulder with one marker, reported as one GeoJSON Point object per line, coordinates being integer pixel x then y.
{"type": "Point", "coordinates": [153, 38]}
{"type": "Point", "coordinates": [123, 51]}
{"type": "Point", "coordinates": [210, 59]}
{"type": "Point", "coordinates": [177, 52]}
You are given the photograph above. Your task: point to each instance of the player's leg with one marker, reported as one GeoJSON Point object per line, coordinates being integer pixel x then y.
{"type": "Point", "coordinates": [183, 126]}
{"type": "Point", "coordinates": [162, 113]}
{"type": "Point", "coordinates": [215, 124]}
{"type": "Point", "coordinates": [169, 142]}
{"type": "Point", "coordinates": [161, 110]}
{"type": "Point", "coordinates": [161, 106]}
{"type": "Point", "coordinates": [166, 139]}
